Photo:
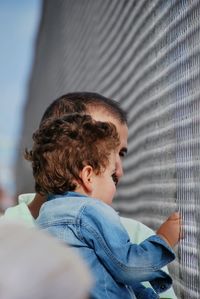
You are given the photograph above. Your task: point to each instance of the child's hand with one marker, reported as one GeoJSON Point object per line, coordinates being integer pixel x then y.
{"type": "Point", "coordinates": [170, 230]}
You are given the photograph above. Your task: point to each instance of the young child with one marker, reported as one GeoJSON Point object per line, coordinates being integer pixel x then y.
{"type": "Point", "coordinates": [74, 163]}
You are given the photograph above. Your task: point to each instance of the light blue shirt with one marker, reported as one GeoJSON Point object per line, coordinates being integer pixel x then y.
{"type": "Point", "coordinates": [95, 231]}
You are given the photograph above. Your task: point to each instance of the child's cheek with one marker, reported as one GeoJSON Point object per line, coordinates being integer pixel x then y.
{"type": "Point", "coordinates": [113, 191]}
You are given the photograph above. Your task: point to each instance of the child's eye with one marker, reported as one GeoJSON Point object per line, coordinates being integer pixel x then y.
{"type": "Point", "coordinates": [115, 179]}
{"type": "Point", "coordinates": [123, 153]}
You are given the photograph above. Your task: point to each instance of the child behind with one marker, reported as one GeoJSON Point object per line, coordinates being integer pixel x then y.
{"type": "Point", "coordinates": [74, 160]}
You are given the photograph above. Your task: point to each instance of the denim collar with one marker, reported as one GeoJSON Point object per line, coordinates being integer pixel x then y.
{"type": "Point", "coordinates": [66, 194]}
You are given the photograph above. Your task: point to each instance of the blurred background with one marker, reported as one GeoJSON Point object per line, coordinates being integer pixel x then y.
{"type": "Point", "coordinates": [19, 21]}
{"type": "Point", "coordinates": [143, 53]}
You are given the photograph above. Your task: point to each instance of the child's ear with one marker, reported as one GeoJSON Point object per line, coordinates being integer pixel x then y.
{"type": "Point", "coordinates": [87, 178]}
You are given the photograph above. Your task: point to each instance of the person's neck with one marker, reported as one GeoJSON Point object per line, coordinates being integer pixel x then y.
{"type": "Point", "coordinates": [81, 190]}
{"type": "Point", "coordinates": [36, 204]}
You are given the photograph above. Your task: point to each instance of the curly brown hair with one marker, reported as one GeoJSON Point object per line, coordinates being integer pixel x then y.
{"type": "Point", "coordinates": [63, 146]}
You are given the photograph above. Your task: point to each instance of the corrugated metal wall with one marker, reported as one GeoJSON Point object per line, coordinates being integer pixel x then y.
{"type": "Point", "coordinates": [145, 54]}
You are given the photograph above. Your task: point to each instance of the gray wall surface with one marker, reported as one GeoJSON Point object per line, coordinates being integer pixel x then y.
{"type": "Point", "coordinates": [146, 55]}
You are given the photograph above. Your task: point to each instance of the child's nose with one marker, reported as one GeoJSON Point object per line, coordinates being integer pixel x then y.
{"type": "Point", "coordinates": [119, 169]}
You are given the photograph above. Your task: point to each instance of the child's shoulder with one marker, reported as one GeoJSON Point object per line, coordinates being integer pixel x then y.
{"type": "Point", "coordinates": [98, 204]}
{"type": "Point", "coordinates": [98, 209]}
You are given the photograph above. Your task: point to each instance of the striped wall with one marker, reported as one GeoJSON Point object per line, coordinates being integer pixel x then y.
{"type": "Point", "coordinates": [146, 55]}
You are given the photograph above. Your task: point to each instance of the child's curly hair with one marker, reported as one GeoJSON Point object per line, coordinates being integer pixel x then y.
{"type": "Point", "coordinates": [63, 146]}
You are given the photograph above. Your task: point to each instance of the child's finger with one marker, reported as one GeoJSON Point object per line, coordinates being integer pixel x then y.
{"type": "Point", "coordinates": [174, 216]}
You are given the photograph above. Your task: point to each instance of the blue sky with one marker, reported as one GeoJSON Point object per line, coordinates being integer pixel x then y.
{"type": "Point", "coordinates": [19, 20]}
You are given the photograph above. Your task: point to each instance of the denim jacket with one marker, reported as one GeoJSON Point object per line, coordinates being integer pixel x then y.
{"type": "Point", "coordinates": [94, 229]}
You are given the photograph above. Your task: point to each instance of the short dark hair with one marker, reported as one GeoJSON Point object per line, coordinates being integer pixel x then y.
{"type": "Point", "coordinates": [63, 146]}
{"type": "Point", "coordinates": [83, 102]}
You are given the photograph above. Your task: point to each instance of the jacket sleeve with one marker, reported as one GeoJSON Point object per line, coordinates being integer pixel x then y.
{"type": "Point", "coordinates": [101, 229]}
{"type": "Point", "coordinates": [143, 293]}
